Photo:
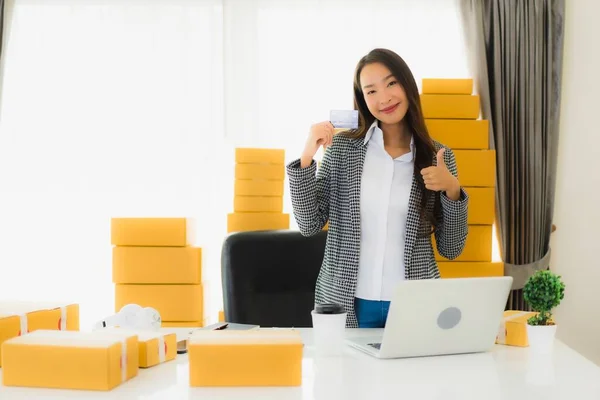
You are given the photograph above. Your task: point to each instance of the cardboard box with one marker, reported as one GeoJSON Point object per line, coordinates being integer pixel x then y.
{"type": "Point", "coordinates": [152, 231]}
{"type": "Point", "coordinates": [447, 86]}
{"type": "Point", "coordinates": [478, 246]}
{"type": "Point", "coordinates": [183, 324]}
{"type": "Point", "coordinates": [460, 133]}
{"type": "Point", "coordinates": [450, 106]}
{"type": "Point", "coordinates": [239, 222]}
{"type": "Point", "coordinates": [513, 330]}
{"type": "Point", "coordinates": [160, 265]}
{"type": "Point", "coordinates": [43, 315]}
{"type": "Point", "coordinates": [173, 302]}
{"type": "Point", "coordinates": [482, 205]}
{"type": "Point", "coordinates": [259, 156]}
{"type": "Point", "coordinates": [245, 358]}
{"type": "Point", "coordinates": [69, 360]}
{"type": "Point", "coordinates": [476, 168]}
{"type": "Point", "coordinates": [153, 347]}
{"type": "Point", "coordinates": [470, 269]}
{"type": "Point", "coordinates": [252, 187]}
{"type": "Point", "coordinates": [273, 204]}
{"type": "Point", "coordinates": [156, 348]}
{"type": "Point", "coordinates": [270, 172]}
{"type": "Point", "coordinates": [20, 317]}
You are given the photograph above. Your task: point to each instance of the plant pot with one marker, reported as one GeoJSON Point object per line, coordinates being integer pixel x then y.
{"type": "Point", "coordinates": [541, 337]}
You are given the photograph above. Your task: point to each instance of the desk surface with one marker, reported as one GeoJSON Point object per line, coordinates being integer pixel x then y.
{"type": "Point", "coordinates": [509, 373]}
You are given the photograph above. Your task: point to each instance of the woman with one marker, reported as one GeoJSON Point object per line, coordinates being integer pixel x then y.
{"type": "Point", "coordinates": [383, 188]}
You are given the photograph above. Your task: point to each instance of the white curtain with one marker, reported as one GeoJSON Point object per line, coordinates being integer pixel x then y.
{"type": "Point", "coordinates": [134, 108]}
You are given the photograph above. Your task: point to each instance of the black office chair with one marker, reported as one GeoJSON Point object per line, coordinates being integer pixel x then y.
{"type": "Point", "coordinates": [269, 277]}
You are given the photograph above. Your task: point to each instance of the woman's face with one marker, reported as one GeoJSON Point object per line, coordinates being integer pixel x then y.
{"type": "Point", "coordinates": [383, 94]}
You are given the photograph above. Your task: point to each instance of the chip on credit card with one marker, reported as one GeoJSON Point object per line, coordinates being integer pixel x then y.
{"type": "Point", "coordinates": [347, 119]}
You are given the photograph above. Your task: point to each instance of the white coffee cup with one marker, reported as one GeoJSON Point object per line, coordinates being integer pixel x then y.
{"type": "Point", "coordinates": [329, 329]}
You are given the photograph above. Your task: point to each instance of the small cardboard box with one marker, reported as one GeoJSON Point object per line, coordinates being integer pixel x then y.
{"type": "Point", "coordinates": [476, 168]}
{"type": "Point", "coordinates": [173, 302]}
{"type": "Point", "coordinates": [183, 324]}
{"type": "Point", "coordinates": [257, 221]}
{"type": "Point", "coordinates": [478, 246]}
{"type": "Point", "coordinates": [269, 172]}
{"type": "Point", "coordinates": [157, 265]}
{"type": "Point", "coordinates": [154, 347]}
{"type": "Point", "coordinates": [450, 106]}
{"type": "Point", "coordinates": [513, 330]}
{"type": "Point", "coordinates": [152, 231]}
{"type": "Point", "coordinates": [256, 187]}
{"type": "Point", "coordinates": [245, 358]}
{"type": "Point", "coordinates": [447, 85]}
{"type": "Point", "coordinates": [251, 155]}
{"type": "Point", "coordinates": [69, 360]}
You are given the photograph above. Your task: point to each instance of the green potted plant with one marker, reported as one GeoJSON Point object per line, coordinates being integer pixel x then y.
{"type": "Point", "coordinates": [543, 291]}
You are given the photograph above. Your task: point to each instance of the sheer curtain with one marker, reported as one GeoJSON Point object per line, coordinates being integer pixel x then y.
{"type": "Point", "coordinates": [134, 108]}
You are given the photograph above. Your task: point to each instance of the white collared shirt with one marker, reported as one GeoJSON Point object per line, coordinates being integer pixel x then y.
{"type": "Point", "coordinates": [385, 191]}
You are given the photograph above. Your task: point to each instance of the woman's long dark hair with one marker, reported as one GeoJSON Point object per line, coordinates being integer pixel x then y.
{"type": "Point", "coordinates": [414, 117]}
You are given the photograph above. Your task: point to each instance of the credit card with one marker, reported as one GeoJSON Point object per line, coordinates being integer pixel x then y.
{"type": "Point", "coordinates": [347, 119]}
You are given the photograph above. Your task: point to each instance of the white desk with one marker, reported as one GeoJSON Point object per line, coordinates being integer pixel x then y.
{"type": "Point", "coordinates": [505, 373]}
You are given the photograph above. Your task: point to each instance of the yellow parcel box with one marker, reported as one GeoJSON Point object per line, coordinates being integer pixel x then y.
{"type": "Point", "coordinates": [183, 324]}
{"type": "Point", "coordinates": [460, 133]}
{"type": "Point", "coordinates": [173, 302]}
{"type": "Point", "coordinates": [470, 269]}
{"type": "Point", "coordinates": [513, 330]}
{"type": "Point", "coordinates": [245, 358]}
{"type": "Point", "coordinates": [478, 246]}
{"type": "Point", "coordinates": [476, 167]}
{"type": "Point", "coordinates": [152, 231]}
{"type": "Point", "coordinates": [450, 106]}
{"type": "Point", "coordinates": [482, 205]}
{"type": "Point", "coordinates": [165, 265]}
{"type": "Point", "coordinates": [272, 204]}
{"type": "Point", "coordinates": [447, 85]}
{"type": "Point", "coordinates": [248, 155]}
{"type": "Point", "coordinates": [270, 172]}
{"type": "Point", "coordinates": [69, 360]}
{"type": "Point", "coordinates": [43, 315]}
{"type": "Point", "coordinates": [238, 222]}
{"type": "Point", "coordinates": [253, 187]}
{"type": "Point", "coordinates": [154, 347]}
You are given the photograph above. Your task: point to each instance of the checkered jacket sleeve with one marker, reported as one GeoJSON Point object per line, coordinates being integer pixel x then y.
{"type": "Point", "coordinates": [309, 192]}
{"type": "Point", "coordinates": [451, 233]}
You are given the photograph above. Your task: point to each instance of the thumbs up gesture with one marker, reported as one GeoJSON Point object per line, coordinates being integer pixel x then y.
{"type": "Point", "coordinates": [439, 178]}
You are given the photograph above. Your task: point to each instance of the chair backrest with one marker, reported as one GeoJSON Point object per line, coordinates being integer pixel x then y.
{"type": "Point", "coordinates": [269, 277]}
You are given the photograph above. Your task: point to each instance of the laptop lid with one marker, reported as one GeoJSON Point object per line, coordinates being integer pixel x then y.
{"type": "Point", "coordinates": [445, 316]}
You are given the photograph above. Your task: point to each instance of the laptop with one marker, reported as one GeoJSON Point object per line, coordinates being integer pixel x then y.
{"type": "Point", "coordinates": [431, 317]}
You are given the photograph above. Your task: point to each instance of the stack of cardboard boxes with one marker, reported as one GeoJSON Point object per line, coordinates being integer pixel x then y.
{"type": "Point", "coordinates": [452, 114]}
{"type": "Point", "coordinates": [155, 264]}
{"type": "Point", "coordinates": [258, 191]}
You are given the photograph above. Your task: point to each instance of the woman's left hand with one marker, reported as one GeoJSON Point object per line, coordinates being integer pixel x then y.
{"type": "Point", "coordinates": [439, 178]}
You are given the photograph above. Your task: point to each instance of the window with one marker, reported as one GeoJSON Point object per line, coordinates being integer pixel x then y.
{"type": "Point", "coordinates": [134, 108]}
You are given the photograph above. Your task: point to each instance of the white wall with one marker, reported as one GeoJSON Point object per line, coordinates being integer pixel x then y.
{"type": "Point", "coordinates": [576, 242]}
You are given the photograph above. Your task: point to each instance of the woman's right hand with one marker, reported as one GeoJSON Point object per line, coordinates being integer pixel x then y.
{"type": "Point", "coordinates": [321, 134]}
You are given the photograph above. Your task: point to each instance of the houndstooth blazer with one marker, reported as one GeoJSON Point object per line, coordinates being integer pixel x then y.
{"type": "Point", "coordinates": [333, 195]}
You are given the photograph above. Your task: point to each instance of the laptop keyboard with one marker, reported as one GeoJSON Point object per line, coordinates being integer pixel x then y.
{"type": "Point", "coordinates": [376, 345]}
